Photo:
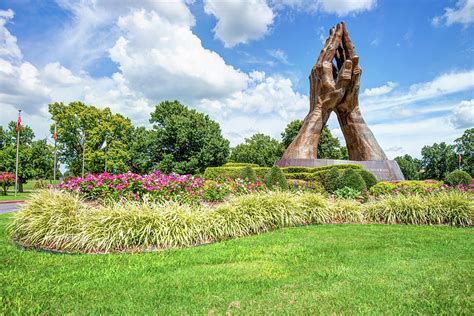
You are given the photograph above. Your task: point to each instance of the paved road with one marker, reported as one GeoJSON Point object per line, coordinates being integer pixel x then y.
{"type": "Point", "coordinates": [9, 207]}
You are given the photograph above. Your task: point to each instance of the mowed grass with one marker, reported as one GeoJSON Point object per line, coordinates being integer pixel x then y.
{"type": "Point", "coordinates": [19, 196]}
{"type": "Point", "coordinates": [343, 269]}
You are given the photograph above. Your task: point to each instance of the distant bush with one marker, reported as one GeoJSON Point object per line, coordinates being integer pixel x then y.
{"type": "Point", "coordinates": [352, 179]}
{"type": "Point", "coordinates": [458, 177]}
{"type": "Point", "coordinates": [275, 179]}
{"type": "Point", "coordinates": [406, 187]}
{"type": "Point", "coordinates": [216, 173]}
{"type": "Point", "coordinates": [7, 179]}
{"type": "Point", "coordinates": [241, 164]}
{"type": "Point", "coordinates": [247, 173]}
{"type": "Point", "coordinates": [369, 179]}
{"type": "Point", "coordinates": [302, 185]}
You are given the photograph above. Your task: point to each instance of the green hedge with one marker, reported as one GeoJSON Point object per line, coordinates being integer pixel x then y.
{"type": "Point", "coordinates": [317, 169]}
{"type": "Point", "coordinates": [405, 187]}
{"type": "Point", "coordinates": [215, 173]}
{"type": "Point", "coordinates": [241, 164]}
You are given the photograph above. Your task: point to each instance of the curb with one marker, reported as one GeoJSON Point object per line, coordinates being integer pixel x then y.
{"type": "Point", "coordinates": [12, 201]}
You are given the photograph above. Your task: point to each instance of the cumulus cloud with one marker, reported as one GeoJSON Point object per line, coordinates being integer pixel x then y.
{"type": "Point", "coordinates": [463, 114]}
{"type": "Point", "coordinates": [279, 55]}
{"type": "Point", "coordinates": [463, 13]}
{"type": "Point", "coordinates": [239, 21]}
{"type": "Point", "coordinates": [8, 46]}
{"type": "Point", "coordinates": [338, 7]}
{"type": "Point", "coordinates": [387, 88]}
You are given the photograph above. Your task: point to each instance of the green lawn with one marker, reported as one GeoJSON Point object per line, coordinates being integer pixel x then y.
{"type": "Point", "coordinates": [342, 269]}
{"type": "Point", "coordinates": [11, 196]}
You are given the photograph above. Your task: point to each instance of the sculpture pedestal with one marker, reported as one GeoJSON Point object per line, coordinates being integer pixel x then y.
{"type": "Point", "coordinates": [383, 170]}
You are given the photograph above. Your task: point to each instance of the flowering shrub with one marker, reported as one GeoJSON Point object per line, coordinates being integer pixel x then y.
{"type": "Point", "coordinates": [7, 179]}
{"type": "Point", "coordinates": [156, 187]}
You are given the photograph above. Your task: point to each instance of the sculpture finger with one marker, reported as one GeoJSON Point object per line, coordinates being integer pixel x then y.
{"type": "Point", "coordinates": [335, 43]}
{"type": "Point", "coordinates": [349, 48]}
{"type": "Point", "coordinates": [328, 42]}
{"type": "Point", "coordinates": [345, 75]}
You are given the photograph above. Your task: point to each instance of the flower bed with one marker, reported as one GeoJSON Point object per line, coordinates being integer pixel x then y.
{"type": "Point", "coordinates": [415, 187]}
{"type": "Point", "coordinates": [7, 179]}
{"type": "Point", "coordinates": [156, 187]}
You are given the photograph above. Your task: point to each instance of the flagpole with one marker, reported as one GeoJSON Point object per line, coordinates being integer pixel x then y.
{"type": "Point", "coordinates": [83, 154]}
{"type": "Point", "coordinates": [55, 157]}
{"type": "Point", "coordinates": [17, 147]}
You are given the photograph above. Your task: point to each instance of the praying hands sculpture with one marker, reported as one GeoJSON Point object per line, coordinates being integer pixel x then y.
{"type": "Point", "coordinates": [335, 88]}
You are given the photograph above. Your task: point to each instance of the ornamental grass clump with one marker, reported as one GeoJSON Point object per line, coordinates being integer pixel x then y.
{"type": "Point", "coordinates": [449, 208]}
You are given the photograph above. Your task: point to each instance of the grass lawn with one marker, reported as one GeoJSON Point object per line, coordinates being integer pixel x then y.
{"type": "Point", "coordinates": [341, 269]}
{"type": "Point", "coordinates": [11, 196]}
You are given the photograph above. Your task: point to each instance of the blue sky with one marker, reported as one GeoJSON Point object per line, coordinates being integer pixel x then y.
{"type": "Point", "coordinates": [244, 63]}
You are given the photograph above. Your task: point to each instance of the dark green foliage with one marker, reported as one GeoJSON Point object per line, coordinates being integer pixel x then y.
{"type": "Point", "coordinates": [186, 141]}
{"type": "Point", "coordinates": [259, 149]}
{"type": "Point", "coordinates": [352, 179]}
{"type": "Point", "coordinates": [318, 169]}
{"type": "Point", "coordinates": [368, 177]}
{"type": "Point", "coordinates": [437, 161]}
{"type": "Point", "coordinates": [331, 179]}
{"type": "Point", "coordinates": [241, 164]}
{"type": "Point", "coordinates": [248, 173]}
{"type": "Point", "coordinates": [329, 146]}
{"type": "Point", "coordinates": [275, 179]}
{"type": "Point", "coordinates": [458, 177]}
{"type": "Point", "coordinates": [290, 132]}
{"type": "Point", "coordinates": [465, 147]}
{"type": "Point", "coordinates": [409, 166]}
{"type": "Point", "coordinates": [215, 173]}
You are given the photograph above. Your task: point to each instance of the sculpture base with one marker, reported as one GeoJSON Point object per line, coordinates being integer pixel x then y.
{"type": "Point", "coordinates": [383, 170]}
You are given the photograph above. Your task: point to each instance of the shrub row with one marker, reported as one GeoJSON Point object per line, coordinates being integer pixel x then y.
{"type": "Point", "coordinates": [406, 187]}
{"type": "Point", "coordinates": [61, 221]}
{"type": "Point", "coordinates": [216, 173]}
{"type": "Point", "coordinates": [241, 164]}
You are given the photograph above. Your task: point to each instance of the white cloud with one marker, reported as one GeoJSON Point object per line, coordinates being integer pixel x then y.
{"type": "Point", "coordinates": [239, 21]}
{"type": "Point", "coordinates": [445, 84]}
{"type": "Point", "coordinates": [163, 60]}
{"type": "Point", "coordinates": [8, 47]}
{"type": "Point", "coordinates": [338, 7]}
{"type": "Point", "coordinates": [387, 88]}
{"type": "Point", "coordinates": [463, 114]}
{"type": "Point", "coordinates": [56, 74]}
{"type": "Point", "coordinates": [463, 13]}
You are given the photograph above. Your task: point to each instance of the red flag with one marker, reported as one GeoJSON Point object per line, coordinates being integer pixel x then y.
{"type": "Point", "coordinates": [54, 135]}
{"type": "Point", "coordinates": [18, 124]}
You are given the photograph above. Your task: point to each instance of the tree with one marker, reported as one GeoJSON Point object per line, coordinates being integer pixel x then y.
{"type": "Point", "coordinates": [35, 158]}
{"type": "Point", "coordinates": [2, 137]}
{"type": "Point", "coordinates": [437, 161]}
{"type": "Point", "coordinates": [410, 166]}
{"type": "Point", "coordinates": [329, 146]}
{"type": "Point", "coordinates": [186, 141]}
{"type": "Point", "coordinates": [260, 149]}
{"type": "Point", "coordinates": [465, 147]}
{"type": "Point", "coordinates": [76, 120]}
{"type": "Point", "coordinates": [142, 149]}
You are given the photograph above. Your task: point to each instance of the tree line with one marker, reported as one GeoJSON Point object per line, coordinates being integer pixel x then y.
{"type": "Point", "coordinates": [180, 140]}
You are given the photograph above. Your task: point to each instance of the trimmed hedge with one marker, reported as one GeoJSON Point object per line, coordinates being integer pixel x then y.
{"type": "Point", "coordinates": [216, 173]}
{"type": "Point", "coordinates": [241, 164]}
{"type": "Point", "coordinates": [405, 187]}
{"type": "Point", "coordinates": [317, 169]}
{"type": "Point", "coordinates": [352, 179]}
{"type": "Point", "coordinates": [458, 177]}
{"type": "Point", "coordinates": [369, 178]}
{"type": "Point", "coordinates": [275, 179]}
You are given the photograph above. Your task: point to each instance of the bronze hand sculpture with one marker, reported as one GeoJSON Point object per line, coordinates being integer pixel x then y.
{"type": "Point", "coordinates": [335, 88]}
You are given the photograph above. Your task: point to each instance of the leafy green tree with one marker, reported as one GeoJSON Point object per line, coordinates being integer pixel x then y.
{"type": "Point", "coordinates": [410, 166]}
{"type": "Point", "coordinates": [2, 137]}
{"type": "Point", "coordinates": [329, 146]}
{"type": "Point", "coordinates": [142, 150]}
{"type": "Point", "coordinates": [260, 149]}
{"type": "Point", "coordinates": [186, 141]}
{"type": "Point", "coordinates": [465, 147]}
{"type": "Point", "coordinates": [76, 120]}
{"type": "Point", "coordinates": [437, 161]}
{"type": "Point", "coordinates": [35, 158]}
